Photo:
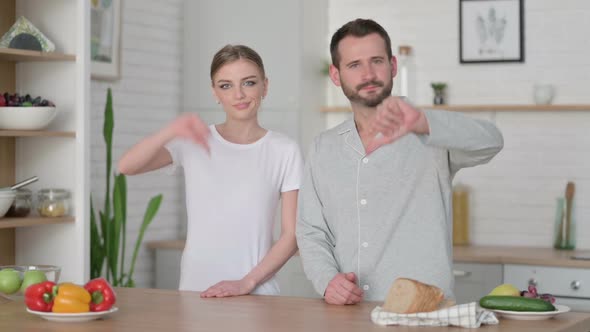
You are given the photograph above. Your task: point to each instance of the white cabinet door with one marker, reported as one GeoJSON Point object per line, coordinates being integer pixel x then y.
{"type": "Point", "coordinates": [570, 286]}
{"type": "Point", "coordinates": [168, 268]}
{"type": "Point", "coordinates": [292, 280]}
{"type": "Point", "coordinates": [473, 280]}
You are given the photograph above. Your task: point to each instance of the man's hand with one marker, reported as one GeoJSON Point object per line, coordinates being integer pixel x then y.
{"type": "Point", "coordinates": [342, 289]}
{"type": "Point", "coordinates": [395, 118]}
{"type": "Point", "coordinates": [229, 288]}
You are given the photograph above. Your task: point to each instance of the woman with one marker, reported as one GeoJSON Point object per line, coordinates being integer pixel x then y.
{"type": "Point", "coordinates": [235, 174]}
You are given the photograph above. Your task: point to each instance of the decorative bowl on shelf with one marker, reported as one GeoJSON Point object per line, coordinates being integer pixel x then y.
{"type": "Point", "coordinates": [26, 118]}
{"type": "Point", "coordinates": [6, 199]}
{"type": "Point", "coordinates": [14, 279]}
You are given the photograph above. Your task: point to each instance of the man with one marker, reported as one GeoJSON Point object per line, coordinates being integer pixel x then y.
{"type": "Point", "coordinates": [375, 203]}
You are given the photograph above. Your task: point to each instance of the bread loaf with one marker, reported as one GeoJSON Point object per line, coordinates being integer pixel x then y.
{"type": "Point", "coordinates": [407, 296]}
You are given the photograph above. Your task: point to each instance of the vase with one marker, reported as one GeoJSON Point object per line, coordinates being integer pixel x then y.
{"type": "Point", "coordinates": [439, 98]}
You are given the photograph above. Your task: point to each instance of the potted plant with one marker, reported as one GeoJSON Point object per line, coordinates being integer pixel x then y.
{"type": "Point", "coordinates": [439, 92]}
{"type": "Point", "coordinates": [107, 242]}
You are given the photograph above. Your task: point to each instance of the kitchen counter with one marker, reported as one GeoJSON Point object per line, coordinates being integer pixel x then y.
{"type": "Point", "coordinates": [163, 310]}
{"type": "Point", "coordinates": [476, 254]}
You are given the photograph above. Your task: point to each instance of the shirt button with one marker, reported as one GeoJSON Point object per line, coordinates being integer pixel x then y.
{"type": "Point", "coordinates": [365, 160]}
{"type": "Point", "coordinates": [363, 201]}
{"type": "Point", "coordinates": [366, 287]}
{"type": "Point", "coordinates": [365, 244]}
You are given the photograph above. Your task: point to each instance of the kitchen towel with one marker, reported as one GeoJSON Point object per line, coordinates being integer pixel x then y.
{"type": "Point", "coordinates": [468, 315]}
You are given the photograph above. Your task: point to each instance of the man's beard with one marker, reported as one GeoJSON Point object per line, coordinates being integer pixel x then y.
{"type": "Point", "coordinates": [372, 101]}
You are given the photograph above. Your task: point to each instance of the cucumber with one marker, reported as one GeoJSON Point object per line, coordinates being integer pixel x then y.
{"type": "Point", "coordinates": [515, 303]}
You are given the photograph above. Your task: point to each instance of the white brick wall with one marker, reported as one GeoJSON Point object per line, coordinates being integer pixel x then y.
{"type": "Point", "coordinates": [513, 198]}
{"type": "Point", "coordinates": [146, 97]}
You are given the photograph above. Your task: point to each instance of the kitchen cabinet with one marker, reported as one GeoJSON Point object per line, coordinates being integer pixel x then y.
{"type": "Point", "coordinates": [570, 286]}
{"type": "Point", "coordinates": [474, 280]}
{"type": "Point", "coordinates": [291, 278]}
{"type": "Point", "coordinates": [477, 270]}
{"type": "Point", "coordinates": [58, 155]}
{"type": "Point", "coordinates": [167, 268]}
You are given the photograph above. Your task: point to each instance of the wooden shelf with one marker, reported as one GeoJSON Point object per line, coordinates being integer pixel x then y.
{"type": "Point", "coordinates": [17, 55]}
{"type": "Point", "coordinates": [33, 221]}
{"type": "Point", "coordinates": [36, 133]}
{"type": "Point", "coordinates": [486, 108]}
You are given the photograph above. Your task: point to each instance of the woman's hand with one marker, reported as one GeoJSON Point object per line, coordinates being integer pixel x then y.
{"type": "Point", "coordinates": [191, 127]}
{"type": "Point", "coordinates": [229, 288]}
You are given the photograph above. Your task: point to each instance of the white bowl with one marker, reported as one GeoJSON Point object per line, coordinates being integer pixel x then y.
{"type": "Point", "coordinates": [6, 199]}
{"type": "Point", "coordinates": [26, 118]}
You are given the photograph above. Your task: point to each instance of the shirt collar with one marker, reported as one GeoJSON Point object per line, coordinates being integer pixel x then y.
{"type": "Point", "coordinates": [351, 137]}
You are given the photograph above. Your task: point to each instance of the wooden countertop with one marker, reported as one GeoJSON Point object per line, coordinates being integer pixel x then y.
{"type": "Point", "coordinates": [476, 254]}
{"type": "Point", "coordinates": [164, 310]}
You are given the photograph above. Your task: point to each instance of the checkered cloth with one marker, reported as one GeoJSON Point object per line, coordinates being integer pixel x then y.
{"type": "Point", "coordinates": [464, 315]}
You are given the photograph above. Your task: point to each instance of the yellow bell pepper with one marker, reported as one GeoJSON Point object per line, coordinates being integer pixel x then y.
{"type": "Point", "coordinates": [71, 298]}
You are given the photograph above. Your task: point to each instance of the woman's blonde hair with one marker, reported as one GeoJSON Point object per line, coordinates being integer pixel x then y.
{"type": "Point", "coordinates": [231, 53]}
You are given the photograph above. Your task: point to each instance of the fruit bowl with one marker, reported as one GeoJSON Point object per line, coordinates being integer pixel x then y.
{"type": "Point", "coordinates": [26, 118]}
{"type": "Point", "coordinates": [15, 278]}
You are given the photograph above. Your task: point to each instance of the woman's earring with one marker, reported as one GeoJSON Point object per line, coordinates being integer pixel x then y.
{"type": "Point", "coordinates": [217, 101]}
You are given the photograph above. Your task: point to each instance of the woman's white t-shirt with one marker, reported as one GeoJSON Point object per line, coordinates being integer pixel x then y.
{"type": "Point", "coordinates": [232, 196]}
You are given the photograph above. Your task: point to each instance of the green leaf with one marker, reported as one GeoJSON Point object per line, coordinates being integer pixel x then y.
{"type": "Point", "coordinates": [120, 210]}
{"type": "Point", "coordinates": [150, 213]}
{"type": "Point", "coordinates": [107, 132]}
{"type": "Point", "coordinates": [96, 247]}
{"type": "Point", "coordinates": [106, 232]}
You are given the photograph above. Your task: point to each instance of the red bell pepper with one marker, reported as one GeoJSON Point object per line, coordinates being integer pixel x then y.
{"type": "Point", "coordinates": [39, 297]}
{"type": "Point", "coordinates": [103, 295]}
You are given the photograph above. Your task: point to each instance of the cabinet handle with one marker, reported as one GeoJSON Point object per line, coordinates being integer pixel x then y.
{"type": "Point", "coordinates": [459, 274]}
{"type": "Point", "coordinates": [533, 282]}
{"type": "Point", "coordinates": [575, 285]}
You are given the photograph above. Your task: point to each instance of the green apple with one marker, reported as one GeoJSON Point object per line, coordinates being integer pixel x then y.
{"type": "Point", "coordinates": [32, 277]}
{"type": "Point", "coordinates": [9, 281]}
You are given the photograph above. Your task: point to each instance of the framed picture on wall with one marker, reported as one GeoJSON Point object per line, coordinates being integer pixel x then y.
{"type": "Point", "coordinates": [105, 35]}
{"type": "Point", "coordinates": [491, 31]}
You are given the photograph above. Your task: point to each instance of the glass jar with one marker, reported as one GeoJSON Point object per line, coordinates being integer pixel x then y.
{"type": "Point", "coordinates": [53, 202]}
{"type": "Point", "coordinates": [404, 85]}
{"type": "Point", "coordinates": [22, 205]}
{"type": "Point", "coordinates": [565, 225]}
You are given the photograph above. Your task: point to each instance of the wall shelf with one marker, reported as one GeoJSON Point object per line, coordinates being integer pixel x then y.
{"type": "Point", "coordinates": [17, 55]}
{"type": "Point", "coordinates": [33, 221]}
{"type": "Point", "coordinates": [36, 133]}
{"type": "Point", "coordinates": [486, 108]}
